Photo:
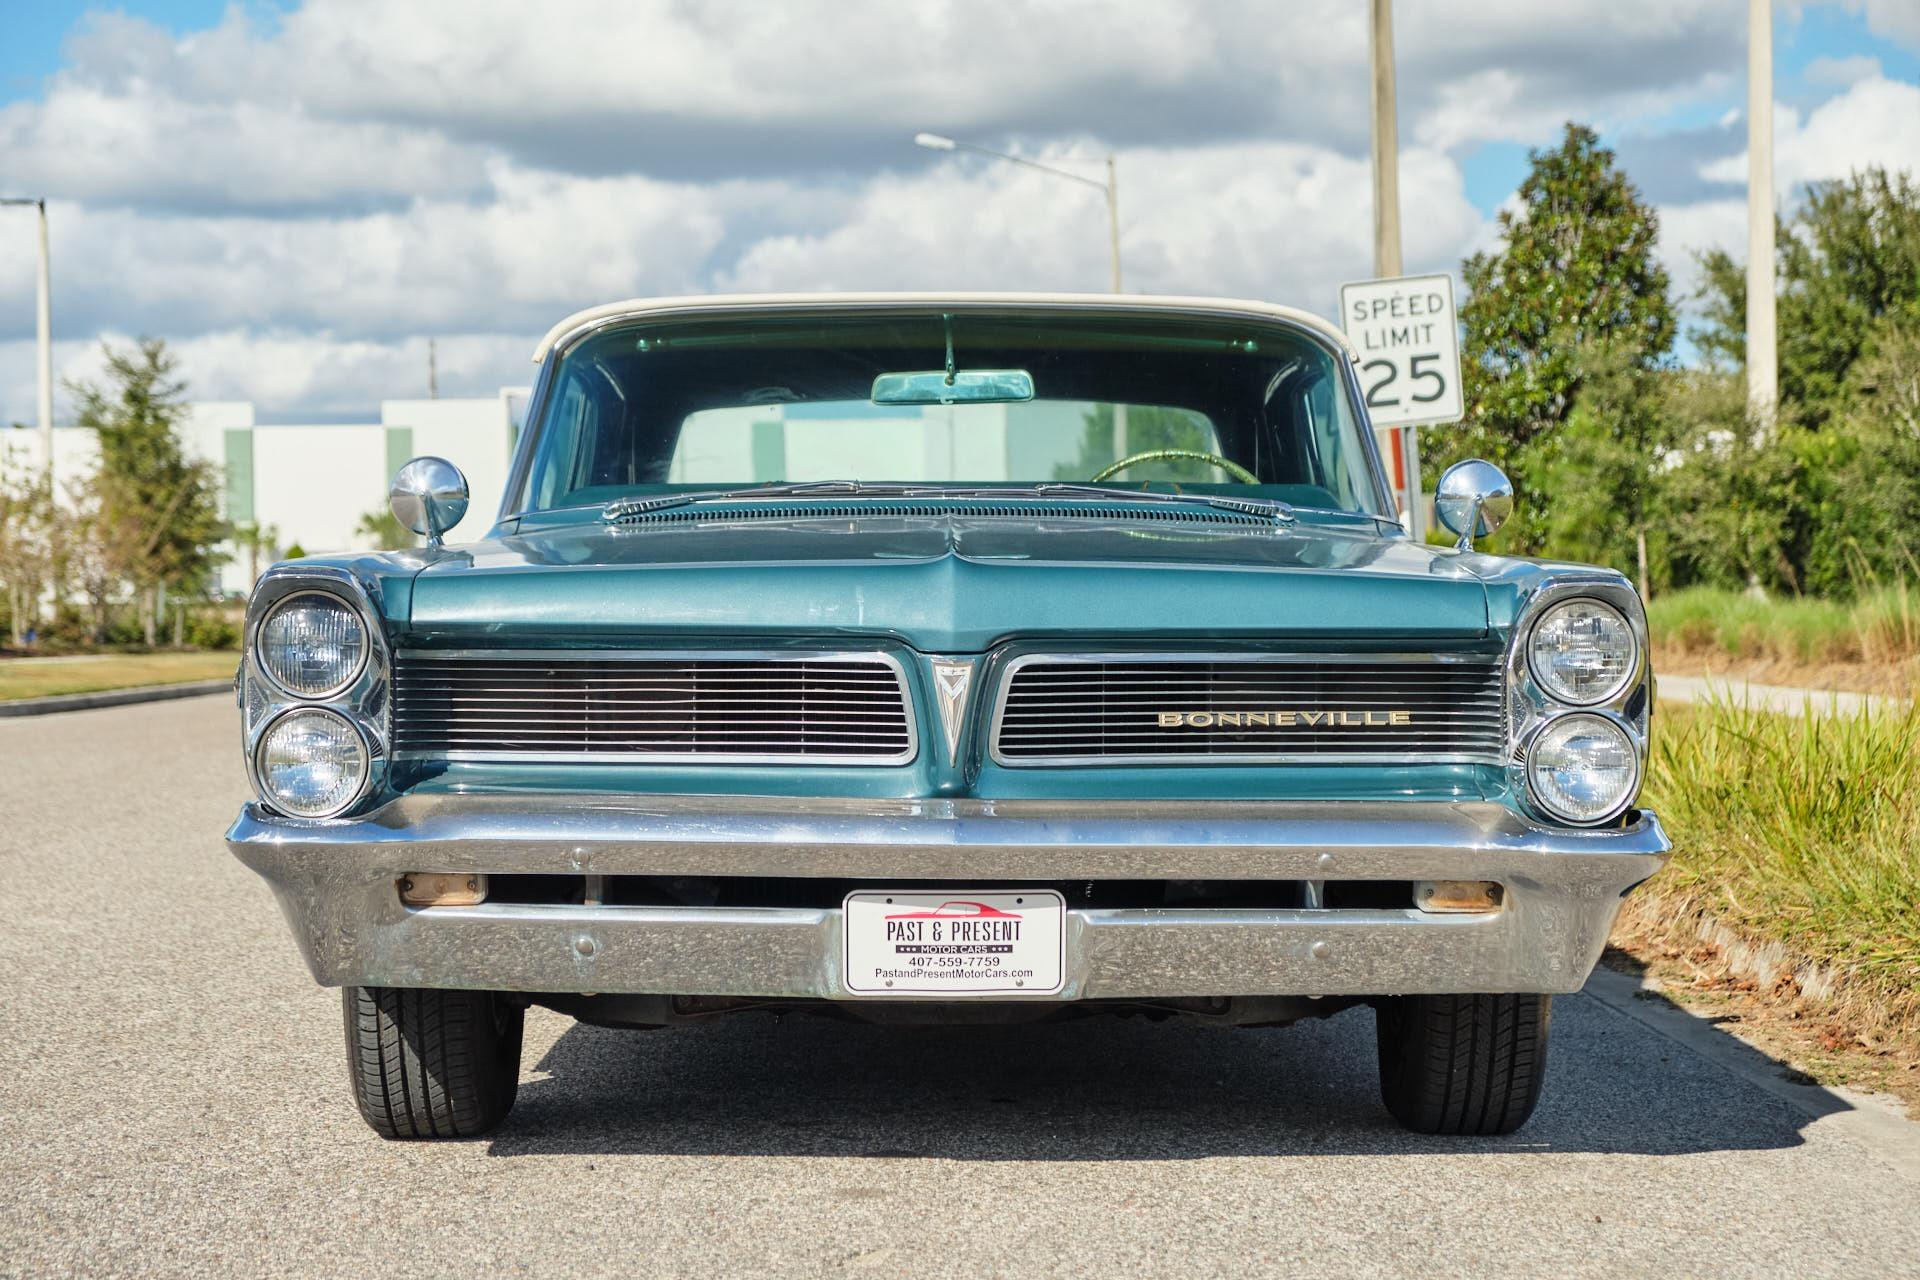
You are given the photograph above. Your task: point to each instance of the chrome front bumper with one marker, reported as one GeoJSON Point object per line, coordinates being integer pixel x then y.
{"type": "Point", "coordinates": [336, 882]}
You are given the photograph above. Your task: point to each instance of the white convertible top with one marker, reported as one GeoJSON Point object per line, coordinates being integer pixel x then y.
{"type": "Point", "coordinates": [1110, 303]}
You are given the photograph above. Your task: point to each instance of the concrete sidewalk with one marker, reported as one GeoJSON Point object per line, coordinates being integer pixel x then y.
{"type": "Point", "coordinates": [1781, 699]}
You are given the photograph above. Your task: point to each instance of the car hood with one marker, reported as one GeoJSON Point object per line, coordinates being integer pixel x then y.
{"type": "Point", "coordinates": [945, 583]}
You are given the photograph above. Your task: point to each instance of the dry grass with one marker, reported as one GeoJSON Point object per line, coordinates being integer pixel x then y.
{"type": "Point", "coordinates": [47, 677]}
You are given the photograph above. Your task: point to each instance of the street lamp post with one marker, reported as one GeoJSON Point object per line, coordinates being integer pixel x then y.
{"type": "Point", "coordinates": [44, 302]}
{"type": "Point", "coordinates": [1110, 189]}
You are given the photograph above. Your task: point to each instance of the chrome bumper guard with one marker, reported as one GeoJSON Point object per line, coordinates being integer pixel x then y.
{"type": "Point", "coordinates": [336, 882]}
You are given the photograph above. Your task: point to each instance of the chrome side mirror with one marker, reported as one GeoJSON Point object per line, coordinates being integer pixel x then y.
{"type": "Point", "coordinates": [1473, 499]}
{"type": "Point", "coordinates": [429, 496]}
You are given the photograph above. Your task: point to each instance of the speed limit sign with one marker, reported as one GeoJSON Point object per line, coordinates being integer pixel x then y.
{"type": "Point", "coordinates": [1409, 348]}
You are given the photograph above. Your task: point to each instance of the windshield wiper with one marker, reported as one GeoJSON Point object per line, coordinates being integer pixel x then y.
{"type": "Point", "coordinates": [1270, 507]}
{"type": "Point", "coordinates": [627, 508]}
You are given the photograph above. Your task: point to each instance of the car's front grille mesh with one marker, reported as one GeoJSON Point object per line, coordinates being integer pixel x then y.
{"type": "Point", "coordinates": [1258, 707]}
{"type": "Point", "coordinates": [802, 708]}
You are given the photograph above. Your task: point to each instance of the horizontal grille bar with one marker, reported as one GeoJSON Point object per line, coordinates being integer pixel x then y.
{"type": "Point", "coordinates": [582, 705]}
{"type": "Point", "coordinates": [1251, 708]}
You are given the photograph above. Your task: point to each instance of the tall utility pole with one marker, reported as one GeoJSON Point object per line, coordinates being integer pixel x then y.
{"type": "Point", "coordinates": [1386, 146]}
{"type": "Point", "coordinates": [44, 309]}
{"type": "Point", "coordinates": [1386, 222]}
{"type": "Point", "coordinates": [1763, 366]}
{"type": "Point", "coordinates": [433, 371]}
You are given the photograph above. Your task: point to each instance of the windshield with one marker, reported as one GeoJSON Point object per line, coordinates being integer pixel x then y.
{"type": "Point", "coordinates": [1170, 403]}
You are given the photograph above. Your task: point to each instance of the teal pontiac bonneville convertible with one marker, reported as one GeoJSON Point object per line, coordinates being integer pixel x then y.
{"type": "Point", "coordinates": [972, 658]}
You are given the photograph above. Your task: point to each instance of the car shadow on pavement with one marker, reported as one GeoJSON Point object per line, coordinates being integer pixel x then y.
{"type": "Point", "coordinates": [1100, 1089]}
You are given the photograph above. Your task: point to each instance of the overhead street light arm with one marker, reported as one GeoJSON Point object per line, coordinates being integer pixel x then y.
{"type": "Point", "coordinates": [939, 142]}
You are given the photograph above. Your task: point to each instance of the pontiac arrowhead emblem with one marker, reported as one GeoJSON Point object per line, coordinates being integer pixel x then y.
{"type": "Point", "coordinates": [952, 677]}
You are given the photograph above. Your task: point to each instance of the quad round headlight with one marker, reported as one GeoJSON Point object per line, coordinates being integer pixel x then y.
{"type": "Point", "coordinates": [311, 763]}
{"type": "Point", "coordinates": [1582, 652]}
{"type": "Point", "coordinates": [1583, 768]}
{"type": "Point", "coordinates": [312, 644]}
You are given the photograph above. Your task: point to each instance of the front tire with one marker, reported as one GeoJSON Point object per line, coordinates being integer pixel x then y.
{"type": "Point", "coordinates": [1462, 1064]}
{"type": "Point", "coordinates": [432, 1064]}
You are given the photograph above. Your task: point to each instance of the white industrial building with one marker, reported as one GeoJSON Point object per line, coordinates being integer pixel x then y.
{"type": "Point", "coordinates": [312, 483]}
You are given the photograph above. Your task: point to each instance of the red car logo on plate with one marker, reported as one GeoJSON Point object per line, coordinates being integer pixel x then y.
{"type": "Point", "coordinates": [958, 910]}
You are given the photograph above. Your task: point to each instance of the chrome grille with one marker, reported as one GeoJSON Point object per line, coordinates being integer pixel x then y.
{"type": "Point", "coordinates": [1065, 710]}
{"type": "Point", "coordinates": [652, 707]}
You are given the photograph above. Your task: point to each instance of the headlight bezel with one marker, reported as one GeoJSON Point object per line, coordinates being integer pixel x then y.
{"type": "Point", "coordinates": [1636, 745]}
{"type": "Point", "coordinates": [364, 700]}
{"type": "Point", "coordinates": [1531, 708]}
{"type": "Point", "coordinates": [258, 773]}
{"type": "Point", "coordinates": [288, 600]}
{"type": "Point", "coordinates": [1635, 657]}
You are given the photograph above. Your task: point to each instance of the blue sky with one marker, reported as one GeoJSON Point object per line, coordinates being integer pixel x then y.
{"type": "Point", "coordinates": [1801, 39]}
{"type": "Point", "coordinates": [298, 196]}
{"type": "Point", "coordinates": [36, 29]}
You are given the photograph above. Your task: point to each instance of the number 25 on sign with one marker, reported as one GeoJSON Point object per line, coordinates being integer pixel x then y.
{"type": "Point", "coordinates": [1409, 347]}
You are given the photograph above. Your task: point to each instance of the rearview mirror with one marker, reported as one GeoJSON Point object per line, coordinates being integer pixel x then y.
{"type": "Point", "coordinates": [429, 496]}
{"type": "Point", "coordinates": [962, 386]}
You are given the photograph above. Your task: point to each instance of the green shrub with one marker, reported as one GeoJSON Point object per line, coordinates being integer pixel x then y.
{"type": "Point", "coordinates": [1877, 626]}
{"type": "Point", "coordinates": [212, 631]}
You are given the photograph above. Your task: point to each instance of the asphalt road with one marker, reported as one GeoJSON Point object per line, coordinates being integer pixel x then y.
{"type": "Point", "coordinates": [173, 1099]}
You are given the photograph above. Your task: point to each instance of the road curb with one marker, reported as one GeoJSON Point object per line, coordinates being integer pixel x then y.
{"type": "Point", "coordinates": [112, 698]}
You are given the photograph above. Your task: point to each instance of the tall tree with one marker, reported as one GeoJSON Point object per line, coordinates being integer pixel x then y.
{"type": "Point", "coordinates": [1849, 265]}
{"type": "Point", "coordinates": [1575, 271]}
{"type": "Point", "coordinates": [159, 507]}
{"type": "Point", "coordinates": [27, 541]}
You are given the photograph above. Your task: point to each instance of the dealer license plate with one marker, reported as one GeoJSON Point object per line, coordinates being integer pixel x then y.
{"type": "Point", "coordinates": [955, 943]}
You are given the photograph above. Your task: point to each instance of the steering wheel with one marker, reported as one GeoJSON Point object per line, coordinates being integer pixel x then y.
{"type": "Point", "coordinates": [1233, 469]}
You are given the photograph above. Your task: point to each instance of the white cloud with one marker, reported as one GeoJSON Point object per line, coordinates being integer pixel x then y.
{"type": "Point", "coordinates": [1873, 123]}
{"type": "Point", "coordinates": [540, 244]}
{"type": "Point", "coordinates": [363, 100]}
{"type": "Point", "coordinates": [84, 143]}
{"type": "Point", "coordinates": [1842, 71]}
{"type": "Point", "coordinates": [1894, 19]}
{"type": "Point", "coordinates": [1279, 221]}
{"type": "Point", "coordinates": [1691, 229]}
